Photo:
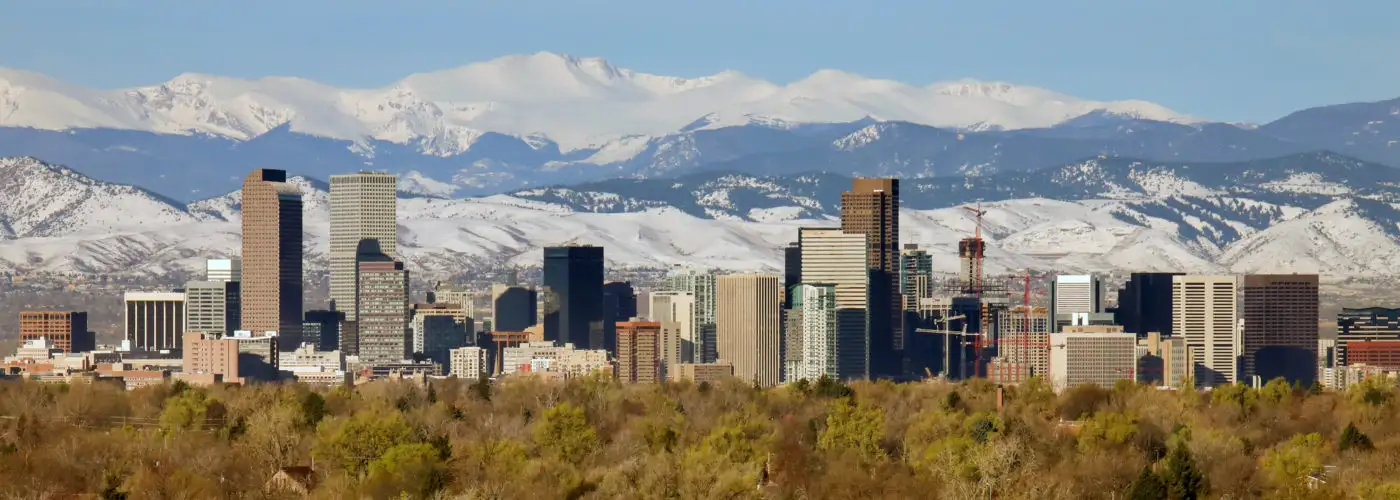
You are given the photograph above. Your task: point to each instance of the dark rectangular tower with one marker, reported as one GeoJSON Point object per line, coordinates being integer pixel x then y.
{"type": "Point", "coordinates": [1280, 327]}
{"type": "Point", "coordinates": [573, 287]}
{"type": "Point", "coordinates": [871, 208]}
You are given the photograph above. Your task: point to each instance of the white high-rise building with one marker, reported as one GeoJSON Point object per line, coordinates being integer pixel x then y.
{"type": "Point", "coordinates": [363, 206]}
{"type": "Point", "coordinates": [468, 362]}
{"type": "Point", "coordinates": [1072, 295]}
{"type": "Point", "coordinates": [1102, 359]}
{"type": "Point", "coordinates": [223, 270]}
{"type": "Point", "coordinates": [154, 321]}
{"type": "Point", "coordinates": [817, 303]}
{"type": "Point", "coordinates": [1205, 311]}
{"type": "Point", "coordinates": [212, 307]}
{"type": "Point", "coordinates": [702, 286]}
{"type": "Point", "coordinates": [676, 313]}
{"type": "Point", "coordinates": [830, 256]}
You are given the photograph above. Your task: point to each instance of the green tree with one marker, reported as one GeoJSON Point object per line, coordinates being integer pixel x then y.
{"type": "Point", "coordinates": [414, 469]}
{"type": "Point", "coordinates": [1147, 486]}
{"type": "Point", "coordinates": [1353, 439]}
{"type": "Point", "coordinates": [1183, 478]}
{"type": "Point", "coordinates": [1289, 464]}
{"type": "Point", "coordinates": [189, 410]}
{"type": "Point", "coordinates": [564, 433]}
{"type": "Point", "coordinates": [1107, 428]}
{"type": "Point", "coordinates": [354, 442]}
{"type": "Point", "coordinates": [1276, 391]}
{"type": "Point", "coordinates": [855, 429]}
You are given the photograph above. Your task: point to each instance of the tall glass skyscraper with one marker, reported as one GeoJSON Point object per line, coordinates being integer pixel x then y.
{"type": "Point", "coordinates": [573, 288]}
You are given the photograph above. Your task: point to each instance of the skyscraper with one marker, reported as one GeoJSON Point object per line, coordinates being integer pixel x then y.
{"type": "Point", "coordinates": [1280, 327]}
{"type": "Point", "coordinates": [1205, 311]}
{"type": "Point", "coordinates": [792, 271]}
{"type": "Point", "coordinates": [871, 208]}
{"type": "Point", "coordinates": [212, 307]}
{"type": "Point", "coordinates": [817, 305]}
{"type": "Point", "coordinates": [619, 304]}
{"type": "Point", "coordinates": [1074, 294]}
{"type": "Point", "coordinates": [363, 206]}
{"type": "Point", "coordinates": [1145, 304]}
{"type": "Point", "coordinates": [573, 284]}
{"type": "Point", "coordinates": [675, 312]}
{"type": "Point", "coordinates": [638, 352]}
{"type": "Point", "coordinates": [702, 286]}
{"type": "Point", "coordinates": [512, 308]}
{"type": "Point", "coordinates": [223, 270]}
{"type": "Point", "coordinates": [915, 276]}
{"type": "Point", "coordinates": [382, 312]}
{"type": "Point", "coordinates": [1362, 325]}
{"type": "Point", "coordinates": [272, 257]}
{"type": "Point", "coordinates": [833, 257]}
{"type": "Point", "coordinates": [749, 316]}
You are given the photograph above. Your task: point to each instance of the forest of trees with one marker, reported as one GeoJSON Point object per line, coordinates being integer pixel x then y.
{"type": "Point", "coordinates": [596, 438]}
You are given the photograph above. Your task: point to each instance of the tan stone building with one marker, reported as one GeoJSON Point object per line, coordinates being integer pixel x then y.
{"type": "Point", "coordinates": [363, 206]}
{"type": "Point", "coordinates": [271, 290]}
{"type": "Point", "coordinates": [749, 323]}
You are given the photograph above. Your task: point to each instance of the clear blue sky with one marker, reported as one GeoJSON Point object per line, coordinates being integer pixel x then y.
{"type": "Point", "coordinates": [1231, 60]}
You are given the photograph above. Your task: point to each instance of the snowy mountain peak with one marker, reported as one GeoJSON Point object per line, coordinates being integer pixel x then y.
{"type": "Point", "coordinates": [574, 101]}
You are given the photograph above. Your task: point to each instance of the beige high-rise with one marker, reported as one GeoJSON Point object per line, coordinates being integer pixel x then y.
{"type": "Point", "coordinates": [833, 257]}
{"type": "Point", "coordinates": [272, 257]}
{"type": "Point", "coordinates": [1205, 311]}
{"type": "Point", "coordinates": [363, 206]}
{"type": "Point", "coordinates": [748, 317]}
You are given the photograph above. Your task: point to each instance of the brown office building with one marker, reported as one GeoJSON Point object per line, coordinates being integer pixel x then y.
{"type": "Point", "coordinates": [272, 257]}
{"type": "Point", "coordinates": [1280, 327]}
{"type": "Point", "coordinates": [871, 208]}
{"type": "Point", "coordinates": [382, 311]}
{"type": "Point", "coordinates": [65, 330]}
{"type": "Point", "coordinates": [748, 321]}
{"type": "Point", "coordinates": [639, 352]}
{"type": "Point", "coordinates": [1380, 353]}
{"type": "Point", "coordinates": [700, 373]}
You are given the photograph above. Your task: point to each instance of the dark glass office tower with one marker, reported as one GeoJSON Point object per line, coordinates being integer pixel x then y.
{"type": "Point", "coordinates": [573, 287]}
{"type": "Point", "coordinates": [792, 271]}
{"type": "Point", "coordinates": [1145, 304]}
{"type": "Point", "coordinates": [619, 304]}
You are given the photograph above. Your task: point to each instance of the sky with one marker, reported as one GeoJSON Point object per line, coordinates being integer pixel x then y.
{"type": "Point", "coordinates": [1228, 60]}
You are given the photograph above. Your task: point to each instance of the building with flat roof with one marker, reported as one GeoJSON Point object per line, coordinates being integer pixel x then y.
{"type": "Point", "coordinates": [1205, 312]}
{"type": "Point", "coordinates": [702, 372]}
{"type": "Point", "coordinates": [223, 270]}
{"type": "Point", "coordinates": [1280, 323]}
{"type": "Point", "coordinates": [364, 206]}
{"type": "Point", "coordinates": [750, 326]}
{"type": "Point", "coordinates": [383, 314]}
{"type": "Point", "coordinates": [212, 307]}
{"type": "Point", "coordinates": [871, 208]}
{"type": "Point", "coordinates": [154, 320]}
{"type": "Point", "coordinates": [271, 277]}
{"type": "Point", "coordinates": [573, 285]}
{"type": "Point", "coordinates": [814, 304]}
{"type": "Point", "coordinates": [1101, 359]}
{"type": "Point", "coordinates": [639, 352]}
{"type": "Point", "coordinates": [1365, 324]}
{"type": "Point", "coordinates": [1071, 294]}
{"type": "Point", "coordinates": [468, 362]}
{"type": "Point", "coordinates": [66, 330]}
{"type": "Point", "coordinates": [833, 257]}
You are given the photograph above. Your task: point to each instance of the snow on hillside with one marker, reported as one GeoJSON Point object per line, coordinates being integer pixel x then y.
{"type": "Point", "coordinates": [57, 221]}
{"type": "Point", "coordinates": [38, 199]}
{"type": "Point", "coordinates": [576, 102]}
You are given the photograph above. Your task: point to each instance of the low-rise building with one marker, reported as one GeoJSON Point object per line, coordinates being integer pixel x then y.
{"type": "Point", "coordinates": [702, 372]}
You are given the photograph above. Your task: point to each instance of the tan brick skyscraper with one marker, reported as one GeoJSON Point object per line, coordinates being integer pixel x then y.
{"type": "Point", "coordinates": [363, 206]}
{"type": "Point", "coordinates": [272, 257]}
{"type": "Point", "coordinates": [748, 316]}
{"type": "Point", "coordinates": [871, 208]}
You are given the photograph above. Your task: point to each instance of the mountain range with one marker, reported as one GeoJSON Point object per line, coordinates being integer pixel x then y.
{"type": "Point", "coordinates": [1312, 212]}
{"type": "Point", "coordinates": [549, 119]}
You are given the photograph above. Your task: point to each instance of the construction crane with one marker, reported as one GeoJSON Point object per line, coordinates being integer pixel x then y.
{"type": "Point", "coordinates": [974, 250]}
{"type": "Point", "coordinates": [948, 340]}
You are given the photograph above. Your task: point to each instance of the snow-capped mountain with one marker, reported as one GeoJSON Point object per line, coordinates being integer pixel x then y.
{"type": "Point", "coordinates": [1315, 212]}
{"type": "Point", "coordinates": [575, 102]}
